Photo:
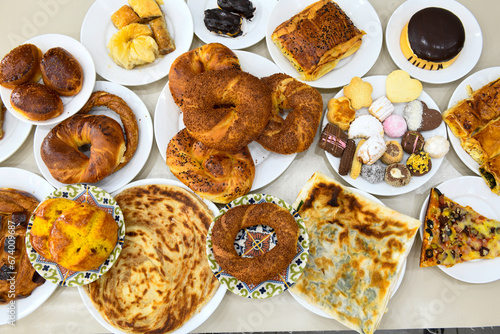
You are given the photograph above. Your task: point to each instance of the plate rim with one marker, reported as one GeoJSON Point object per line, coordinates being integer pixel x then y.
{"type": "Point", "coordinates": [12, 142]}
{"type": "Point", "coordinates": [77, 50]}
{"type": "Point", "coordinates": [330, 79]}
{"type": "Point", "coordinates": [479, 183]}
{"type": "Point", "coordinates": [405, 10]}
{"type": "Point", "coordinates": [145, 124]}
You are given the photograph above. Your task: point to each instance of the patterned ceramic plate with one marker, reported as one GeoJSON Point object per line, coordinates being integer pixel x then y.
{"type": "Point", "coordinates": [257, 239]}
{"type": "Point", "coordinates": [56, 274]}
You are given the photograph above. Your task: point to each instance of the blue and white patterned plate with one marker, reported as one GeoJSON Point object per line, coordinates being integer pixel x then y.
{"type": "Point", "coordinates": [55, 273]}
{"type": "Point", "coordinates": [256, 239]}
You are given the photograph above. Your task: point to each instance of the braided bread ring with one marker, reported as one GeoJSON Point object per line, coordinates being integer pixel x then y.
{"type": "Point", "coordinates": [59, 150]}
{"type": "Point", "coordinates": [127, 116]}
{"type": "Point", "coordinates": [296, 132]}
{"type": "Point", "coordinates": [226, 109]}
{"type": "Point", "coordinates": [209, 57]}
{"type": "Point", "coordinates": [254, 270]}
{"type": "Point", "coordinates": [217, 176]}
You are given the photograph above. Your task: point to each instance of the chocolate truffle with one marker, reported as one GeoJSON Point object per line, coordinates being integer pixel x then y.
{"type": "Point", "coordinates": [397, 175]}
{"type": "Point", "coordinates": [412, 142]}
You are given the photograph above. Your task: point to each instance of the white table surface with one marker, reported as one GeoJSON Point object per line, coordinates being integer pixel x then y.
{"type": "Point", "coordinates": [427, 298]}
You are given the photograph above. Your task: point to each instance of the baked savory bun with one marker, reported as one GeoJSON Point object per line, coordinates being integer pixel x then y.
{"type": "Point", "coordinates": [20, 65]}
{"type": "Point", "coordinates": [433, 38]}
{"type": "Point", "coordinates": [162, 277]}
{"type": "Point", "coordinates": [226, 109]}
{"type": "Point", "coordinates": [208, 57]}
{"type": "Point", "coordinates": [316, 39]}
{"type": "Point", "coordinates": [77, 236]}
{"type": "Point", "coordinates": [357, 250]}
{"type": "Point", "coordinates": [67, 164]}
{"type": "Point", "coordinates": [257, 269]}
{"type": "Point", "coordinates": [215, 175]}
{"type": "Point", "coordinates": [16, 207]}
{"type": "Point", "coordinates": [296, 132]}
{"type": "Point", "coordinates": [61, 72]}
{"type": "Point", "coordinates": [36, 102]}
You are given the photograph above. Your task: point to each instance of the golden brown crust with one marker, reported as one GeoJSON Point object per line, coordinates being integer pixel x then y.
{"type": "Point", "coordinates": [127, 117]}
{"type": "Point", "coordinates": [36, 102]}
{"type": "Point", "coordinates": [255, 270]}
{"type": "Point", "coordinates": [16, 207]}
{"type": "Point", "coordinates": [162, 277]}
{"type": "Point", "coordinates": [315, 39]}
{"type": "Point", "coordinates": [217, 176]}
{"type": "Point", "coordinates": [59, 150]}
{"type": "Point", "coordinates": [124, 16]}
{"type": "Point", "coordinates": [209, 57]}
{"type": "Point", "coordinates": [77, 236]}
{"type": "Point", "coordinates": [20, 65]}
{"type": "Point", "coordinates": [296, 132]}
{"type": "Point", "coordinates": [146, 9]}
{"type": "Point", "coordinates": [226, 109]}
{"type": "Point", "coordinates": [166, 43]}
{"type": "Point", "coordinates": [61, 72]}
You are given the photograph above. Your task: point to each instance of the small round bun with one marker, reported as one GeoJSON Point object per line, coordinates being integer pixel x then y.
{"type": "Point", "coordinates": [36, 102]}
{"type": "Point", "coordinates": [61, 72]}
{"type": "Point", "coordinates": [20, 65]}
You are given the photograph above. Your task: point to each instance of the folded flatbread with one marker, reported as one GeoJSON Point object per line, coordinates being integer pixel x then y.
{"type": "Point", "coordinates": [356, 252]}
{"type": "Point", "coordinates": [162, 277]}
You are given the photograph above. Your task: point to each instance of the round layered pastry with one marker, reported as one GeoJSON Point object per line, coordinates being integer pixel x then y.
{"type": "Point", "coordinates": [433, 38]}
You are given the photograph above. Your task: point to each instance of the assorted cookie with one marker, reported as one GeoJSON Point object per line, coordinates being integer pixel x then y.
{"type": "Point", "coordinates": [390, 145]}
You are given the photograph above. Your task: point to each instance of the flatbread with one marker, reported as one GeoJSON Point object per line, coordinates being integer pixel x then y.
{"type": "Point", "coordinates": [356, 252]}
{"type": "Point", "coordinates": [162, 278]}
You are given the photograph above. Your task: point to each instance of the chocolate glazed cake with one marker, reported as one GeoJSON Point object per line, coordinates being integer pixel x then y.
{"type": "Point", "coordinates": [433, 38]}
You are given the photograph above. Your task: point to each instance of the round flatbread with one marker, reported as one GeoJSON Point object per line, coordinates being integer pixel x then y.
{"type": "Point", "coordinates": [162, 277]}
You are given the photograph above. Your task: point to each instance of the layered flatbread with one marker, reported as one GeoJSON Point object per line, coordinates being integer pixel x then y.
{"type": "Point", "coordinates": [356, 252]}
{"type": "Point", "coordinates": [162, 278]}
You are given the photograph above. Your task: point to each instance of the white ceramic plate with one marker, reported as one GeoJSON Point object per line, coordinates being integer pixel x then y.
{"type": "Point", "coordinates": [71, 103]}
{"type": "Point", "coordinates": [245, 244]}
{"type": "Point", "coordinates": [97, 30]}
{"type": "Point", "coordinates": [168, 121]}
{"type": "Point", "coordinates": [134, 166]}
{"type": "Point", "coordinates": [205, 312]}
{"type": "Point", "coordinates": [471, 191]}
{"type": "Point", "coordinates": [362, 14]}
{"type": "Point", "coordinates": [466, 60]}
{"type": "Point", "coordinates": [320, 312]}
{"type": "Point", "coordinates": [15, 134]}
{"type": "Point", "coordinates": [383, 188]}
{"type": "Point", "coordinates": [35, 185]}
{"type": "Point", "coordinates": [475, 81]}
{"type": "Point", "coordinates": [253, 30]}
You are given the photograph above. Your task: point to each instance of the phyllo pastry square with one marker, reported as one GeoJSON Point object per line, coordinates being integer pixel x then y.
{"type": "Point", "coordinates": [316, 39]}
{"type": "Point", "coordinates": [356, 253]}
{"type": "Point", "coordinates": [146, 9]}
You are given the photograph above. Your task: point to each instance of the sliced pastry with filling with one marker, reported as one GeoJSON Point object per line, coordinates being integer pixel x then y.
{"type": "Point", "coordinates": [356, 253]}
{"type": "Point", "coordinates": [454, 233]}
